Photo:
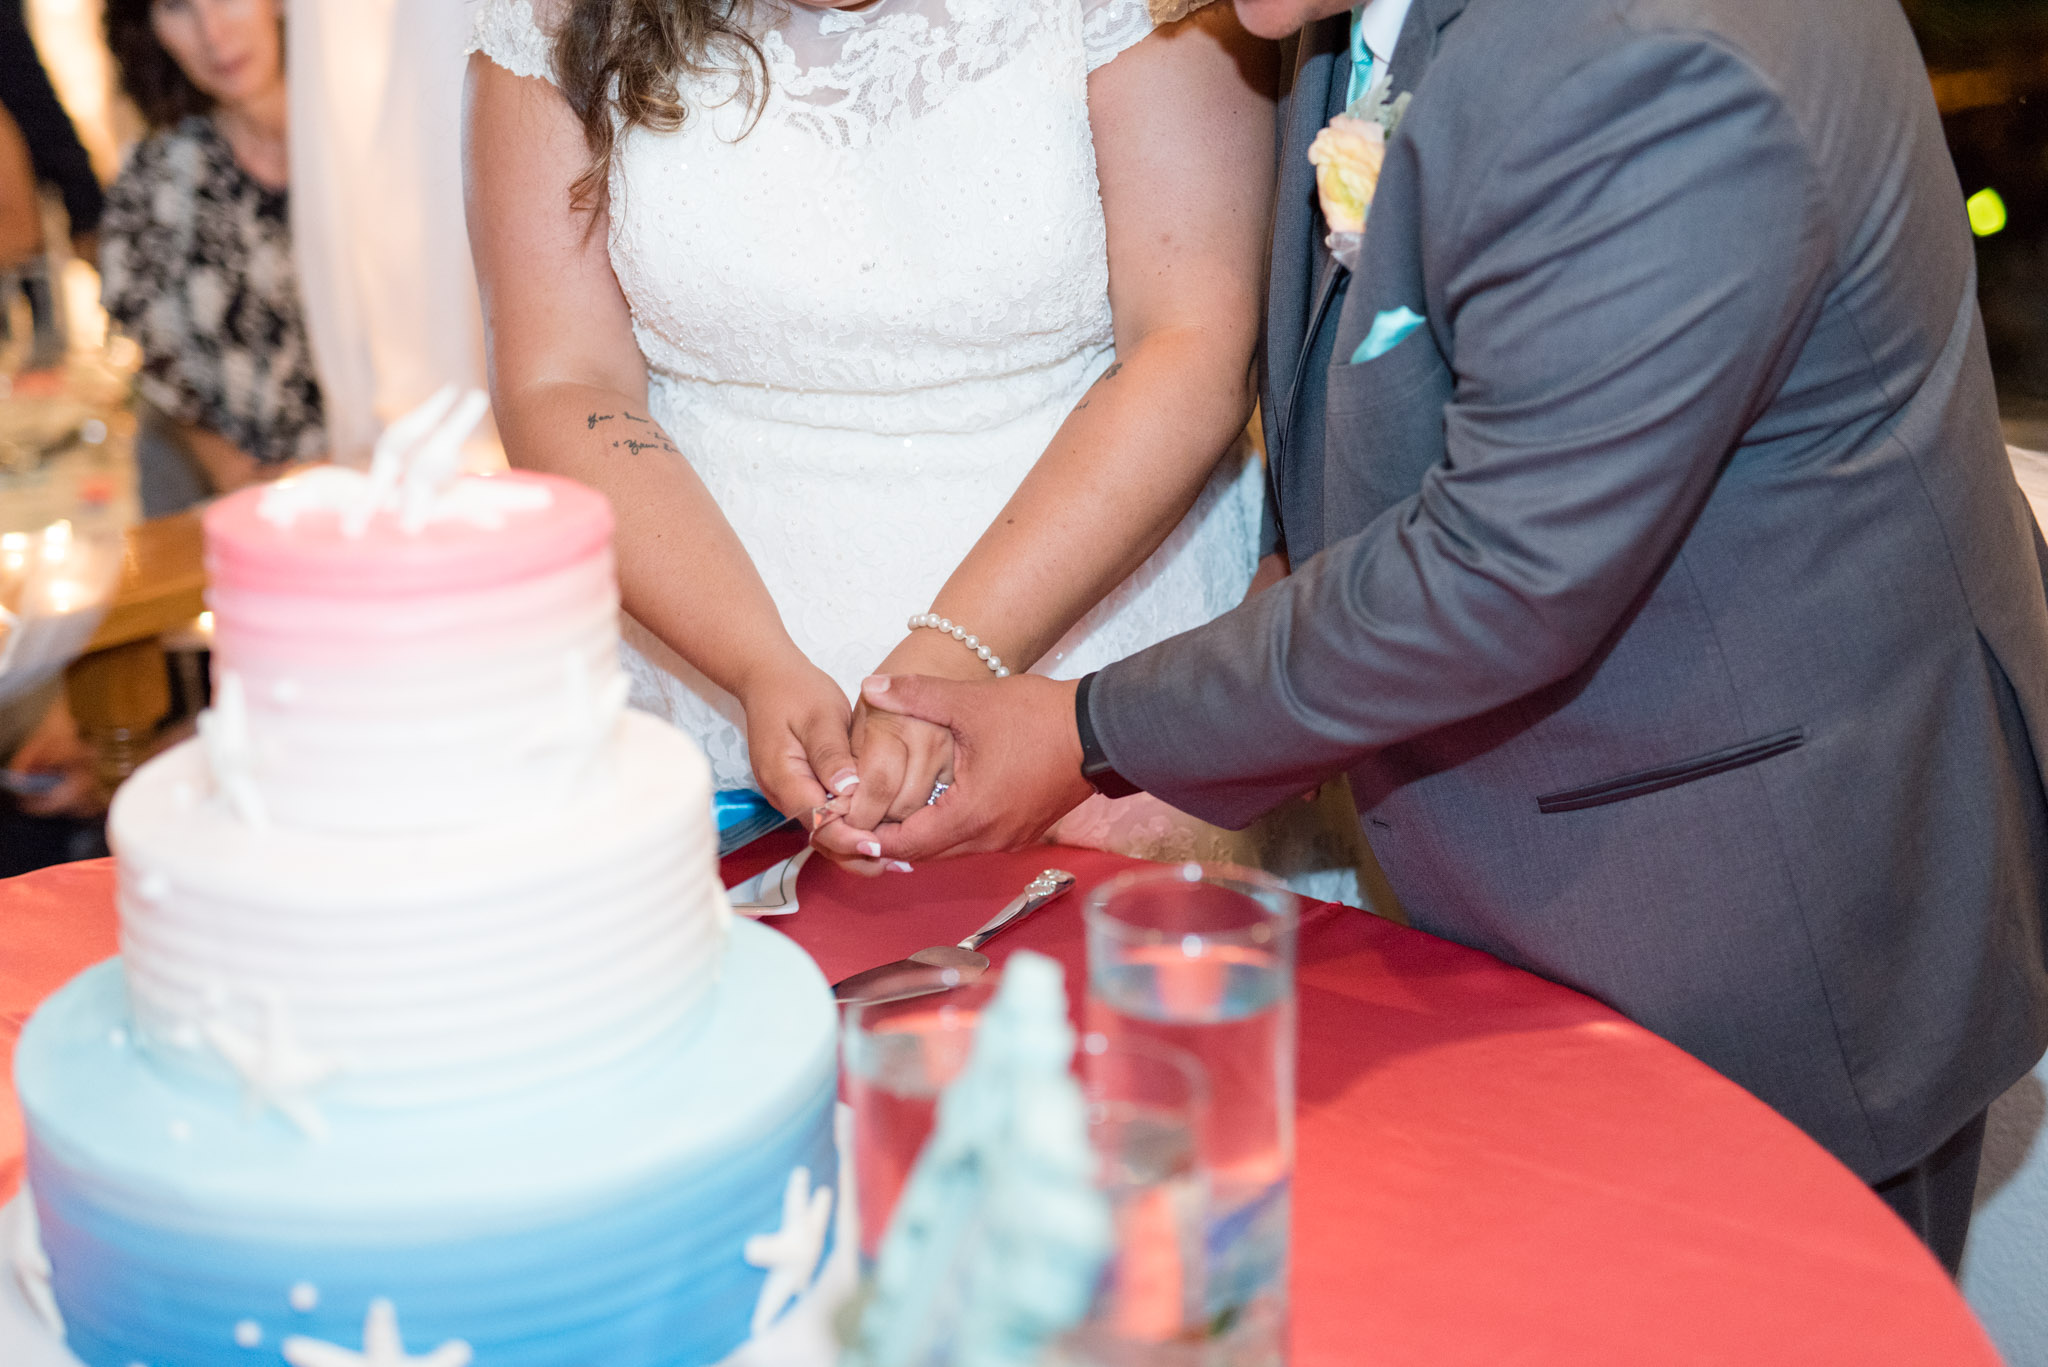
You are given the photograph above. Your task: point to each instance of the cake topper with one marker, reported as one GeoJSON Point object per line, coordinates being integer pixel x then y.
{"type": "Point", "coordinates": [415, 474]}
{"type": "Point", "coordinates": [1000, 1236]}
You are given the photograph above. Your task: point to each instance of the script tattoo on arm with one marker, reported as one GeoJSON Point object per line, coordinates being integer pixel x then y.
{"type": "Point", "coordinates": [648, 438]}
{"type": "Point", "coordinates": [1104, 378]}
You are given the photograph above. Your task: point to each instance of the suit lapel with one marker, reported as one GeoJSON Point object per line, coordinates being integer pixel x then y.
{"type": "Point", "coordinates": [1330, 43]}
{"type": "Point", "coordinates": [1425, 24]}
{"type": "Point", "coordinates": [1297, 223]}
{"type": "Point", "coordinates": [1421, 32]}
{"type": "Point", "coordinates": [1306, 283]}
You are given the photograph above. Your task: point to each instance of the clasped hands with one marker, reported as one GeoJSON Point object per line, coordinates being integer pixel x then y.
{"type": "Point", "coordinates": [862, 777]}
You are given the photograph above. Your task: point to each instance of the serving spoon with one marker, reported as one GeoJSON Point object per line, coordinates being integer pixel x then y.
{"type": "Point", "coordinates": [947, 966]}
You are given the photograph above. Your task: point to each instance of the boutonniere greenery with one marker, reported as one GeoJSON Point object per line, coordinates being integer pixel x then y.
{"type": "Point", "coordinates": [1348, 155]}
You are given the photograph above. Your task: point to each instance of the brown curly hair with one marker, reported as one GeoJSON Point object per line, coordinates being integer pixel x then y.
{"type": "Point", "coordinates": [648, 47]}
{"type": "Point", "coordinates": [150, 76]}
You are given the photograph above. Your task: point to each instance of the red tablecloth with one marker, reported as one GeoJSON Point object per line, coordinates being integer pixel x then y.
{"type": "Point", "coordinates": [1493, 1170]}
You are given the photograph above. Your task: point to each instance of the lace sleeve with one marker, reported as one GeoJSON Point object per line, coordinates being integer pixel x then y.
{"type": "Point", "coordinates": [507, 32]}
{"type": "Point", "coordinates": [1110, 26]}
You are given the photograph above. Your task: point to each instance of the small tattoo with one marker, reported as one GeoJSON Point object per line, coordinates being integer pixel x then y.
{"type": "Point", "coordinates": [636, 447]}
{"type": "Point", "coordinates": [590, 423]}
{"type": "Point", "coordinates": [1104, 378]}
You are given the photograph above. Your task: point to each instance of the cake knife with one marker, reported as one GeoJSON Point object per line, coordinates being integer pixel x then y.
{"type": "Point", "coordinates": [945, 966]}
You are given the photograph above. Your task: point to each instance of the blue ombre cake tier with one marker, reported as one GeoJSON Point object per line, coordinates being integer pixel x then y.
{"type": "Point", "coordinates": [604, 1221]}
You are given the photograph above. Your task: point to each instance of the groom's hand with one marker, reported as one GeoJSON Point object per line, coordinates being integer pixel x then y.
{"type": "Point", "coordinates": [1016, 762]}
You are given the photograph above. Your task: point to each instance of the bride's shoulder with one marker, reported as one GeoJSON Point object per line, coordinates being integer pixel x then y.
{"type": "Point", "coordinates": [519, 35]}
{"type": "Point", "coordinates": [1111, 26]}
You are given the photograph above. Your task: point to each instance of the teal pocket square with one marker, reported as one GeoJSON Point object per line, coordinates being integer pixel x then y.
{"type": "Point", "coordinates": [1387, 332]}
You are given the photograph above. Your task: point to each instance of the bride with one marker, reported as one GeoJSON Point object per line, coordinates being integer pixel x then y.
{"type": "Point", "coordinates": [868, 313]}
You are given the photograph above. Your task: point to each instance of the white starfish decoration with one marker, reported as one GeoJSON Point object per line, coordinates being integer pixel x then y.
{"type": "Point", "coordinates": [791, 1254]}
{"type": "Point", "coordinates": [274, 1069]}
{"type": "Point", "coordinates": [382, 1347]}
{"type": "Point", "coordinates": [224, 733]}
{"type": "Point", "coordinates": [32, 1265]}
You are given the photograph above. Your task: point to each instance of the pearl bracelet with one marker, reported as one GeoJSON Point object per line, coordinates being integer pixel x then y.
{"type": "Point", "coordinates": [964, 637]}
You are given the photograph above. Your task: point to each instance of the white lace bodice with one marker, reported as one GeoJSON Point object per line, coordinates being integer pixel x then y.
{"type": "Point", "coordinates": [850, 74]}
{"type": "Point", "coordinates": [866, 312]}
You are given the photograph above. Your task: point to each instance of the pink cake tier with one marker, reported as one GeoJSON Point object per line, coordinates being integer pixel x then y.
{"type": "Point", "coordinates": [398, 673]}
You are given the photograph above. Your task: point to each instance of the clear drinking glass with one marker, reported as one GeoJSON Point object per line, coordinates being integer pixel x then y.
{"type": "Point", "coordinates": [898, 1057]}
{"type": "Point", "coordinates": [1147, 1108]}
{"type": "Point", "coordinates": [1201, 959]}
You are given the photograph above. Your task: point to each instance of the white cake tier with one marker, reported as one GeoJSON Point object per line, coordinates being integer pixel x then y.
{"type": "Point", "coordinates": [391, 678]}
{"type": "Point", "coordinates": [407, 970]}
{"type": "Point", "coordinates": [464, 709]}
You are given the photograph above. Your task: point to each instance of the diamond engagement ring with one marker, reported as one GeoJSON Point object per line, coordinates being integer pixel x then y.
{"type": "Point", "coordinates": [938, 791]}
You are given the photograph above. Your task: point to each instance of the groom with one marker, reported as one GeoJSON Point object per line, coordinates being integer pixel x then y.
{"type": "Point", "coordinates": [1663, 590]}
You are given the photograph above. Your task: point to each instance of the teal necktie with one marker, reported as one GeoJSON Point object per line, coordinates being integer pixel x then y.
{"type": "Point", "coordinates": [1361, 60]}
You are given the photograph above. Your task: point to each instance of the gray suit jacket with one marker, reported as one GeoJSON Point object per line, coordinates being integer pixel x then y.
{"type": "Point", "coordinates": [1667, 596]}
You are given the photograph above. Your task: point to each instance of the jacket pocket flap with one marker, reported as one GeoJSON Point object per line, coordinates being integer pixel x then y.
{"type": "Point", "coordinates": [1646, 781]}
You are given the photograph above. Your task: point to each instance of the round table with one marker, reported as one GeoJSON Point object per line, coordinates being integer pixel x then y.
{"type": "Point", "coordinates": [1492, 1169]}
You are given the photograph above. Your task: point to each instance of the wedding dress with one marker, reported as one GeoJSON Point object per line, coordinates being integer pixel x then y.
{"type": "Point", "coordinates": [866, 306]}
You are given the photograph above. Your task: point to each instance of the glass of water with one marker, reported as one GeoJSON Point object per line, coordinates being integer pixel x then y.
{"type": "Point", "coordinates": [1147, 1108]}
{"type": "Point", "coordinates": [1201, 959]}
{"type": "Point", "coordinates": [898, 1056]}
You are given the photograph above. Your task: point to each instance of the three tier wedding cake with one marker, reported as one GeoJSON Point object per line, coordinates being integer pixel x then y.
{"type": "Point", "coordinates": [432, 1031]}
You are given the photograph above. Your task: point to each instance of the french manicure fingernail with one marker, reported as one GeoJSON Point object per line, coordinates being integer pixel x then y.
{"type": "Point", "coordinates": [897, 866]}
{"type": "Point", "coordinates": [871, 848]}
{"type": "Point", "coordinates": [846, 782]}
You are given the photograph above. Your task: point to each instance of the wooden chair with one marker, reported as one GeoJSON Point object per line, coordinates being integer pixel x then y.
{"type": "Point", "coordinates": [119, 689]}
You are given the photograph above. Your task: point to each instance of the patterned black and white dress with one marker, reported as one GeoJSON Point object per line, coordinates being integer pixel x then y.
{"type": "Point", "coordinates": [196, 264]}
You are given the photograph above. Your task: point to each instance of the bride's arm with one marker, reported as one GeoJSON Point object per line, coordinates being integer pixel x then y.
{"type": "Point", "coordinates": [570, 389]}
{"type": "Point", "coordinates": [1184, 143]}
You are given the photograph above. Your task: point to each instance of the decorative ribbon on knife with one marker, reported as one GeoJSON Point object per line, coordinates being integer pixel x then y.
{"type": "Point", "coordinates": [945, 966]}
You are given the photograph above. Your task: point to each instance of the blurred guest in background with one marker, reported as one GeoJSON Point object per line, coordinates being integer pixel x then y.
{"type": "Point", "coordinates": [196, 250]}
{"type": "Point", "coordinates": [60, 159]}
{"type": "Point", "coordinates": [21, 229]}
{"type": "Point", "coordinates": [57, 159]}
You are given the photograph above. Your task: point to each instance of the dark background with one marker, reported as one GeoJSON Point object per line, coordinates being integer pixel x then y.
{"type": "Point", "coordinates": [1988, 60]}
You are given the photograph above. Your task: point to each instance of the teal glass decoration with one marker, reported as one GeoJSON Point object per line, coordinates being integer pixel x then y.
{"type": "Point", "coordinates": [1001, 1235]}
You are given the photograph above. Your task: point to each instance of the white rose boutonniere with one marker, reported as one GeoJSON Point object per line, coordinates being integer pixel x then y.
{"type": "Point", "coordinates": [1348, 156]}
